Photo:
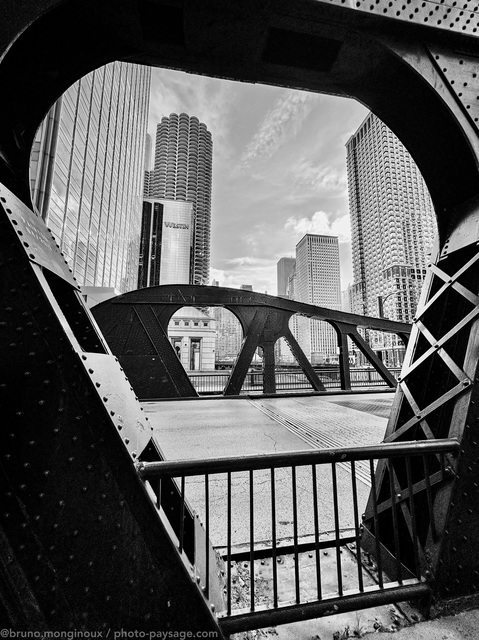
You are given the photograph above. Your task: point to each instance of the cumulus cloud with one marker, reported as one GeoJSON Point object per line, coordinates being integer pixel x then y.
{"type": "Point", "coordinates": [321, 223]}
{"type": "Point", "coordinates": [283, 121]}
{"type": "Point", "coordinates": [258, 272]}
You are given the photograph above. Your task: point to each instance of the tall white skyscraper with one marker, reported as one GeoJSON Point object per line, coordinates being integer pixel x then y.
{"type": "Point", "coordinates": [316, 280]}
{"type": "Point", "coordinates": [393, 227]}
{"type": "Point", "coordinates": [87, 173]}
{"type": "Point", "coordinates": [183, 172]}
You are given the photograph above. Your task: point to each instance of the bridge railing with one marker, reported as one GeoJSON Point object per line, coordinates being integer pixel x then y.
{"type": "Point", "coordinates": [287, 528]}
{"type": "Point", "coordinates": [289, 380]}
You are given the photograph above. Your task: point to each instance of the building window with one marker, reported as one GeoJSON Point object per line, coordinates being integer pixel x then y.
{"type": "Point", "coordinates": [195, 354]}
{"type": "Point", "coordinates": [176, 342]}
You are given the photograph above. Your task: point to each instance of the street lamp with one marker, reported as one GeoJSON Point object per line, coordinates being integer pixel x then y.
{"type": "Point", "coordinates": [382, 299]}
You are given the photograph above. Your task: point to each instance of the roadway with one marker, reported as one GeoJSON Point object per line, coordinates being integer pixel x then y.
{"type": "Point", "coordinates": [213, 427]}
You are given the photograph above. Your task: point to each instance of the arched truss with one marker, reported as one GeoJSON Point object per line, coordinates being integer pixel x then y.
{"type": "Point", "coordinates": [415, 65]}
{"type": "Point", "coordinates": [136, 328]}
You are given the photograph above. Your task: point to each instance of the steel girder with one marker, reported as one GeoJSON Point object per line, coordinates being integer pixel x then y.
{"type": "Point", "coordinates": [152, 366]}
{"type": "Point", "coordinates": [415, 66]}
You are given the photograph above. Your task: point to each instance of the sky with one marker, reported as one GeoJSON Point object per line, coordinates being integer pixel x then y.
{"type": "Point", "coordinates": [279, 169]}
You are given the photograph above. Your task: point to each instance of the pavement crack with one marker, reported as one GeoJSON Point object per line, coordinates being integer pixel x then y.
{"type": "Point", "coordinates": [275, 443]}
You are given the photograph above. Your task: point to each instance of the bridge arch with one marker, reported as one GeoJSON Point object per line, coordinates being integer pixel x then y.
{"type": "Point", "coordinates": [135, 325]}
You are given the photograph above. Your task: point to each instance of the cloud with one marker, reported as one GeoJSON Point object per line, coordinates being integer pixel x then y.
{"type": "Point", "coordinates": [259, 272]}
{"type": "Point", "coordinates": [323, 179]}
{"type": "Point", "coordinates": [322, 224]}
{"type": "Point", "coordinates": [209, 99]}
{"type": "Point", "coordinates": [282, 122]}
{"type": "Point", "coordinates": [248, 260]}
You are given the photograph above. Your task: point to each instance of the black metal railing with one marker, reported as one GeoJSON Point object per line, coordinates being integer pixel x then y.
{"type": "Point", "coordinates": [289, 380]}
{"type": "Point", "coordinates": [292, 509]}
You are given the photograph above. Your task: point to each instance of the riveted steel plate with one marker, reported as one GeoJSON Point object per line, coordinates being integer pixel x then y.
{"type": "Point", "coordinates": [116, 393]}
{"type": "Point", "coordinates": [466, 229]}
{"type": "Point", "coordinates": [36, 240]}
{"type": "Point", "coordinates": [461, 17]}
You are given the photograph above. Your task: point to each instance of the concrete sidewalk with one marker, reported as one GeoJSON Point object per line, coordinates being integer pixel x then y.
{"type": "Point", "coordinates": [209, 428]}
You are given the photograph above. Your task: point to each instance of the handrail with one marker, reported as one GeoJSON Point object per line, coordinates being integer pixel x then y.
{"type": "Point", "coordinates": [172, 468]}
{"type": "Point", "coordinates": [220, 484]}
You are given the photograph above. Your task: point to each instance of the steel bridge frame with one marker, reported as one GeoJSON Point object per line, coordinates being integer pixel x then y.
{"type": "Point", "coordinates": [72, 427]}
{"type": "Point", "coordinates": [135, 326]}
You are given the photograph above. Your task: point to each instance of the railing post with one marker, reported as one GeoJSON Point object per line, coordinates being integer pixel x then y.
{"type": "Point", "coordinates": [344, 366]}
{"type": "Point", "coordinates": [269, 373]}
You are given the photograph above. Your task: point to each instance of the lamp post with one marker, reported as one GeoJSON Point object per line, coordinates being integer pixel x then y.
{"type": "Point", "coordinates": [381, 301]}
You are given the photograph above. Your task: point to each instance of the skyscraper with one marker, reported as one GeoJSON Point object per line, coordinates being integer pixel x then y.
{"type": "Point", "coordinates": [183, 171]}
{"type": "Point", "coordinates": [87, 173]}
{"type": "Point", "coordinates": [166, 237]}
{"type": "Point", "coordinates": [393, 228]}
{"type": "Point", "coordinates": [148, 171]}
{"type": "Point", "coordinates": [284, 268]}
{"type": "Point", "coordinates": [316, 280]}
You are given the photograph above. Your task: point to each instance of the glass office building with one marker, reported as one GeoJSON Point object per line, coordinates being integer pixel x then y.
{"type": "Point", "coordinates": [166, 243]}
{"type": "Point", "coordinates": [87, 171]}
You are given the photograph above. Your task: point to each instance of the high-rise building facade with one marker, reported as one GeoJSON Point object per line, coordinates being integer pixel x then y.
{"type": "Point", "coordinates": [148, 176]}
{"type": "Point", "coordinates": [166, 238]}
{"type": "Point", "coordinates": [284, 268]}
{"type": "Point", "coordinates": [393, 228]}
{"type": "Point", "coordinates": [183, 171]}
{"type": "Point", "coordinates": [229, 336]}
{"type": "Point", "coordinates": [87, 173]}
{"type": "Point", "coordinates": [316, 280]}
